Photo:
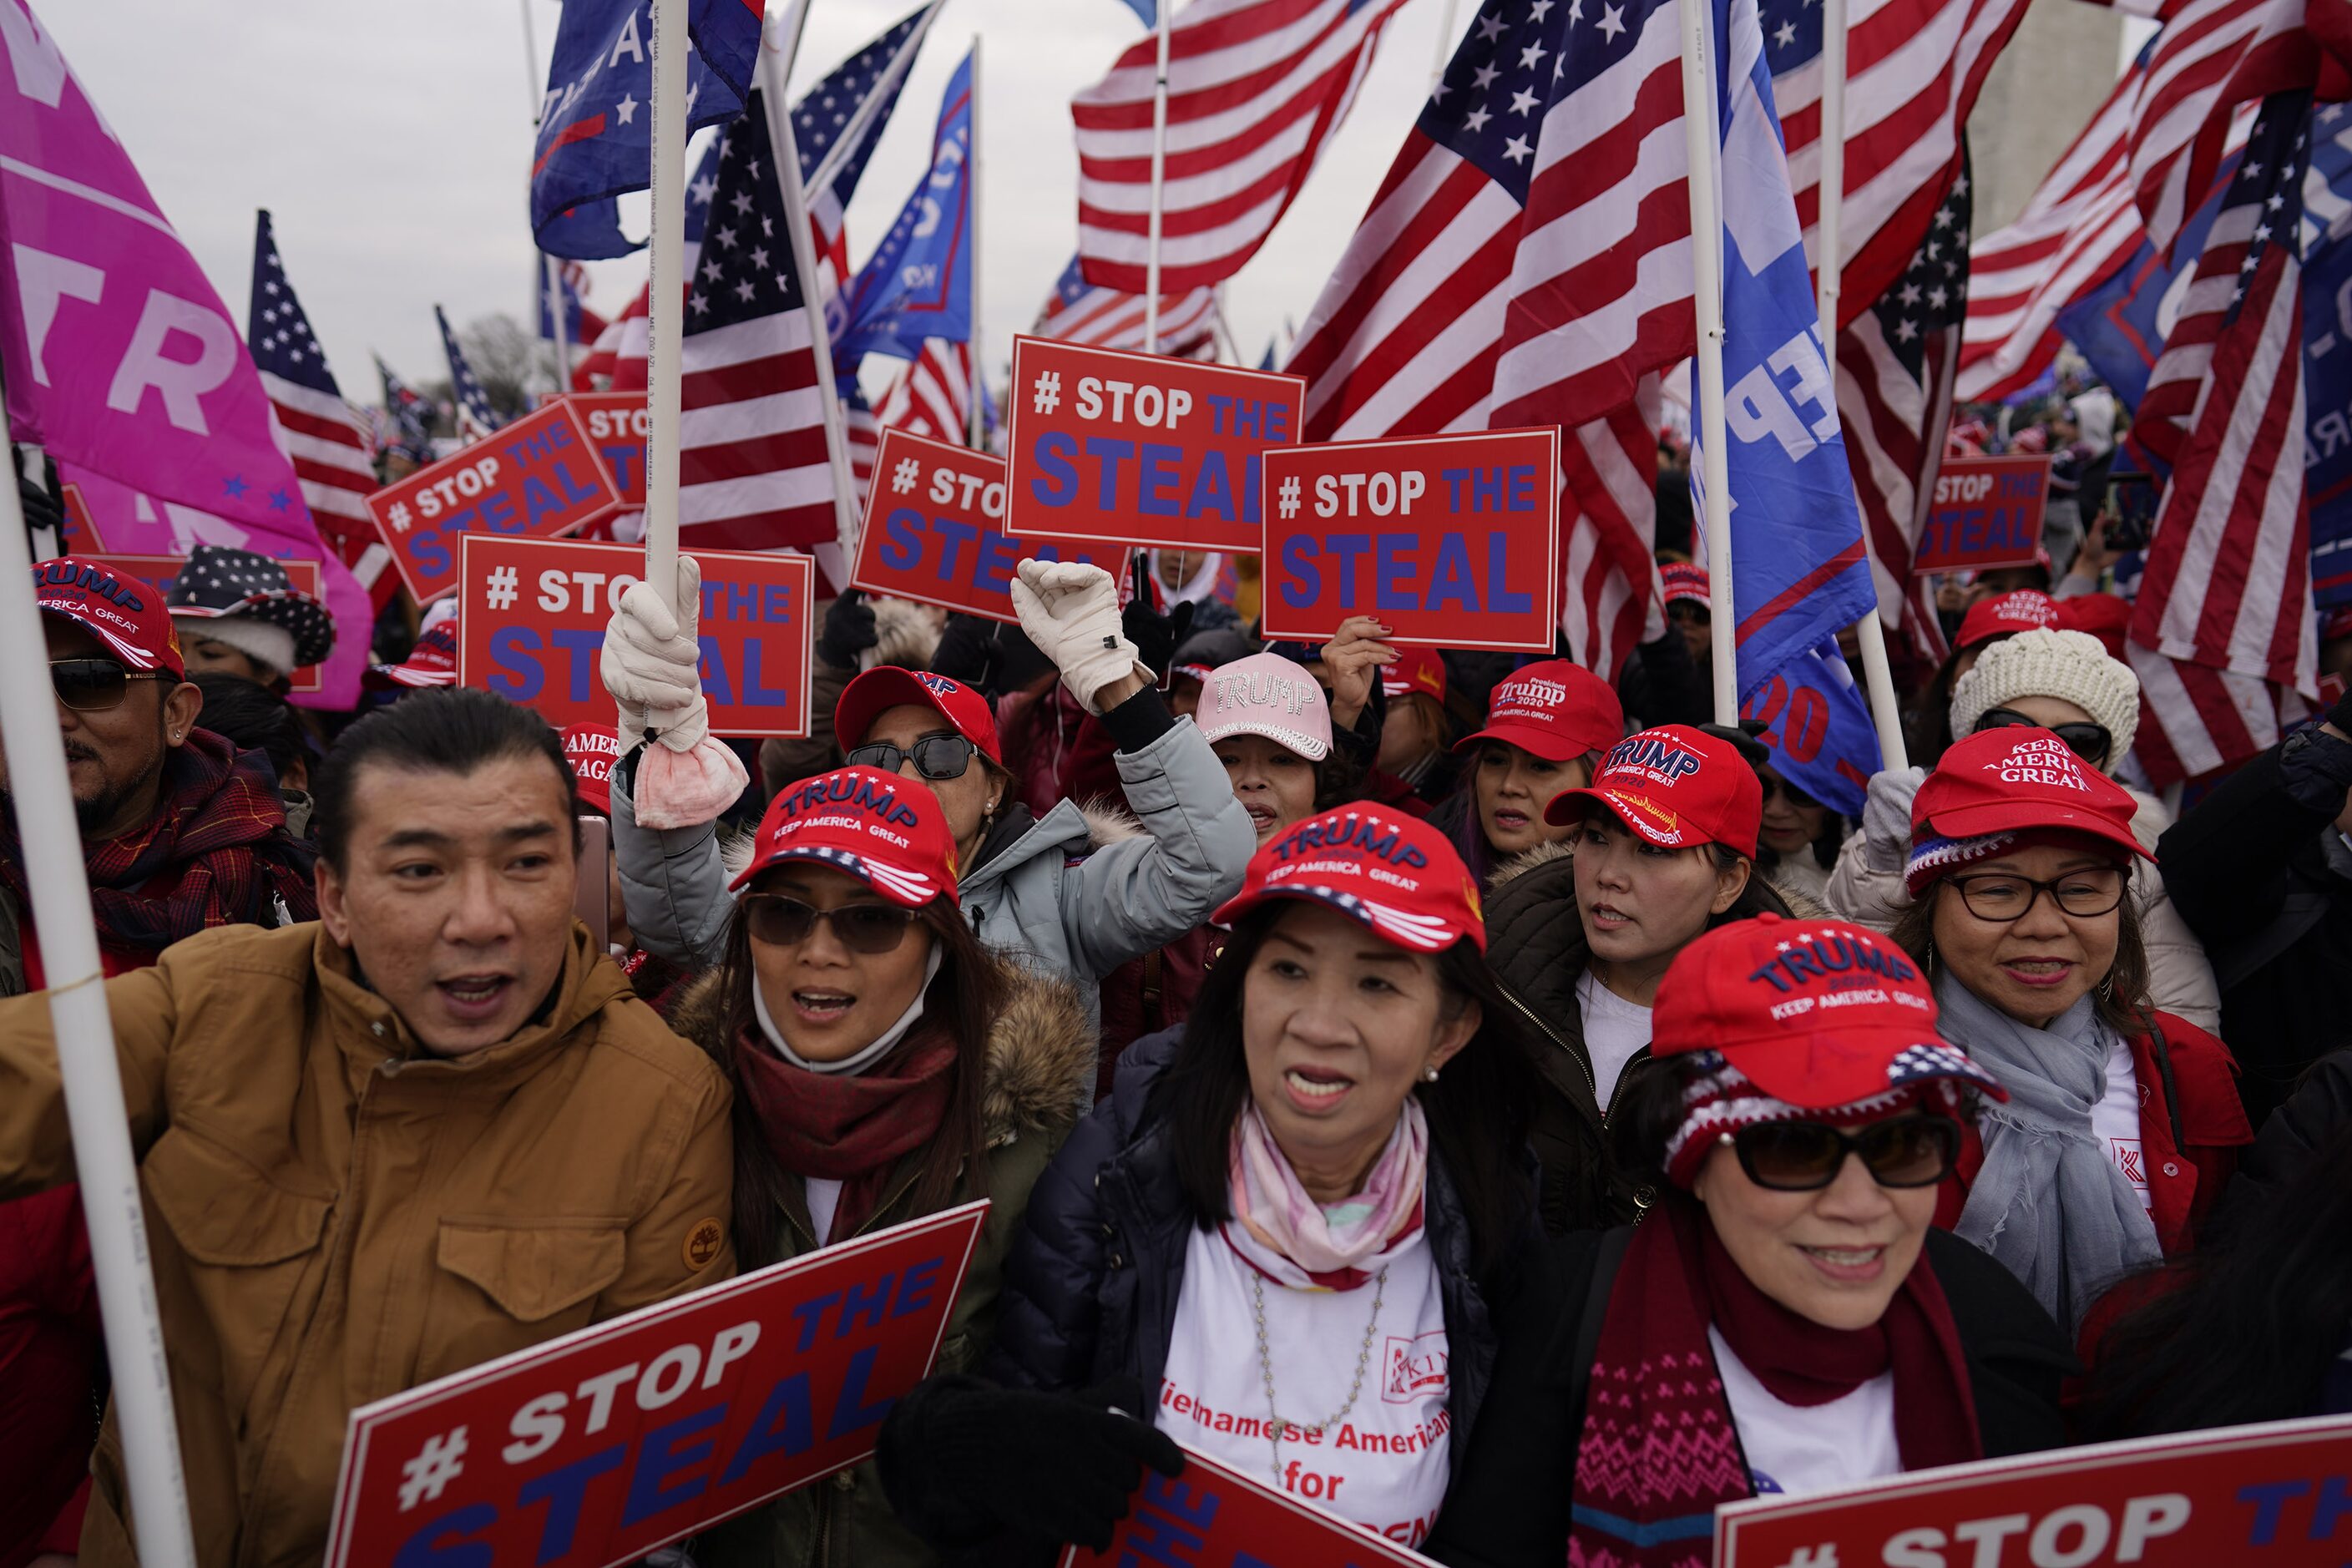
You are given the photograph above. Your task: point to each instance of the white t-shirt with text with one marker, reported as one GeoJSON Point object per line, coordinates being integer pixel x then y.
{"type": "Point", "coordinates": [2115, 1121]}
{"type": "Point", "coordinates": [1793, 1449]}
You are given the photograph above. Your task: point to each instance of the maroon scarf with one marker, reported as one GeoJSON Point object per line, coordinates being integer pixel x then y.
{"type": "Point", "coordinates": [850, 1130]}
{"type": "Point", "coordinates": [1659, 1453]}
{"type": "Point", "coordinates": [213, 854]}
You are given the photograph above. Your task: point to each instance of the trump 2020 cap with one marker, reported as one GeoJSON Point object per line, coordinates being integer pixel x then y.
{"type": "Point", "coordinates": [1675, 787]}
{"type": "Point", "coordinates": [1393, 872]}
{"type": "Point", "coordinates": [886, 832]}
{"type": "Point", "coordinates": [123, 612]}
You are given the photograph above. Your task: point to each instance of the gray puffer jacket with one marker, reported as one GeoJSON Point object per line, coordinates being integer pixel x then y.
{"type": "Point", "coordinates": [1044, 895]}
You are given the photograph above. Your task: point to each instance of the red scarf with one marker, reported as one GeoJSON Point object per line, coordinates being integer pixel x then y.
{"type": "Point", "coordinates": [1659, 1453]}
{"type": "Point", "coordinates": [213, 852]}
{"type": "Point", "coordinates": [850, 1130]}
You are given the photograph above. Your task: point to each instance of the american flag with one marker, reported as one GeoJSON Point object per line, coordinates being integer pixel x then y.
{"type": "Point", "coordinates": [319, 432]}
{"type": "Point", "coordinates": [863, 432]}
{"type": "Point", "coordinates": [1478, 233]}
{"type": "Point", "coordinates": [752, 468]}
{"type": "Point", "coordinates": [932, 397]}
{"type": "Point", "coordinates": [2076, 229]}
{"type": "Point", "coordinates": [2211, 56]}
{"type": "Point", "coordinates": [2223, 620]}
{"type": "Point", "coordinates": [475, 417]}
{"type": "Point", "coordinates": [1254, 88]}
{"type": "Point", "coordinates": [837, 125]}
{"type": "Point", "coordinates": [1895, 364]}
{"type": "Point", "coordinates": [1080, 312]}
{"type": "Point", "coordinates": [1913, 70]}
{"type": "Point", "coordinates": [407, 417]}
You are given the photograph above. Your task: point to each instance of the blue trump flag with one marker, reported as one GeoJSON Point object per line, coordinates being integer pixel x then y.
{"type": "Point", "coordinates": [595, 129]}
{"type": "Point", "coordinates": [917, 283]}
{"type": "Point", "coordinates": [1799, 571]}
{"type": "Point", "coordinates": [726, 35]}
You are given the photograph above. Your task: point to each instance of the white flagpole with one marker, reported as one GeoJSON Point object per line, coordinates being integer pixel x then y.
{"type": "Point", "coordinates": [1869, 633]}
{"type": "Point", "coordinates": [536, 83]}
{"type": "Point", "coordinates": [1159, 180]}
{"type": "Point", "coordinates": [977, 420]}
{"type": "Point", "coordinates": [552, 280]}
{"type": "Point", "coordinates": [786, 152]}
{"type": "Point", "coordinates": [1703, 138]}
{"type": "Point", "coordinates": [664, 296]}
{"type": "Point", "coordinates": [92, 1080]}
{"type": "Point", "coordinates": [1445, 45]}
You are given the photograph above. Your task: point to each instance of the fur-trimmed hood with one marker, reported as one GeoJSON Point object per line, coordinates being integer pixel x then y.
{"type": "Point", "coordinates": [1041, 1050]}
{"type": "Point", "coordinates": [1526, 860]}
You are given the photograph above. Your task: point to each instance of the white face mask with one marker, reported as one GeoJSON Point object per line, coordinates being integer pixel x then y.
{"type": "Point", "coordinates": [850, 1066]}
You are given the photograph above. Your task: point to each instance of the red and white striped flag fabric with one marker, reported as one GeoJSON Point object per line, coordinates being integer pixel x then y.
{"type": "Point", "coordinates": [2223, 625]}
{"type": "Point", "coordinates": [1079, 312]}
{"type": "Point", "coordinates": [753, 471]}
{"type": "Point", "coordinates": [932, 397]}
{"type": "Point", "coordinates": [1255, 90]}
{"type": "Point", "coordinates": [1416, 330]}
{"type": "Point", "coordinates": [1895, 363]}
{"type": "Point", "coordinates": [2077, 228]}
{"type": "Point", "coordinates": [864, 431]}
{"type": "Point", "coordinates": [2211, 56]}
{"type": "Point", "coordinates": [326, 439]}
{"type": "Point", "coordinates": [619, 353]}
{"type": "Point", "coordinates": [1914, 70]}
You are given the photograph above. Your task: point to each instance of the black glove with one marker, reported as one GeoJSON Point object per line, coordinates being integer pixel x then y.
{"type": "Point", "coordinates": [1156, 637]}
{"type": "Point", "coordinates": [967, 650]}
{"type": "Point", "coordinates": [42, 508]}
{"type": "Point", "coordinates": [1052, 1466]}
{"type": "Point", "coordinates": [1743, 739]}
{"type": "Point", "coordinates": [849, 630]}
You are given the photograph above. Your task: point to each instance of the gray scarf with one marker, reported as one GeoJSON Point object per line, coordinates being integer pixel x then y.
{"type": "Point", "coordinates": [2049, 1203]}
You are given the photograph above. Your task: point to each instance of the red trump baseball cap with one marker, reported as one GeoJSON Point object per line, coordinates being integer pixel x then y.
{"type": "Point", "coordinates": [1553, 710]}
{"type": "Point", "coordinates": [1816, 1012]}
{"type": "Point", "coordinates": [1675, 787]}
{"type": "Point", "coordinates": [1682, 580]}
{"type": "Point", "coordinates": [2005, 615]}
{"type": "Point", "coordinates": [1394, 872]}
{"type": "Point", "coordinates": [887, 686]}
{"type": "Point", "coordinates": [593, 750]}
{"type": "Point", "coordinates": [123, 612]}
{"type": "Point", "coordinates": [886, 832]}
{"type": "Point", "coordinates": [1998, 789]}
{"type": "Point", "coordinates": [1417, 671]}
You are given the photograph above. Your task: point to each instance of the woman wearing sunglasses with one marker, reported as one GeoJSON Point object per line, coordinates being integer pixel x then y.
{"type": "Point", "coordinates": [2123, 1121]}
{"type": "Point", "coordinates": [1077, 892]}
{"type": "Point", "coordinates": [1274, 1241]}
{"type": "Point", "coordinates": [2063, 681]}
{"type": "Point", "coordinates": [885, 1068]}
{"type": "Point", "coordinates": [1797, 841]}
{"type": "Point", "coordinates": [1819, 1329]}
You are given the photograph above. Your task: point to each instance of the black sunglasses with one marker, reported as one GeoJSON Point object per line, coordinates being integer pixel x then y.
{"type": "Point", "coordinates": [1780, 786]}
{"type": "Point", "coordinates": [95, 685]}
{"type": "Point", "coordinates": [1806, 1156]}
{"type": "Point", "coordinates": [781, 922]}
{"type": "Point", "coordinates": [2087, 740]}
{"type": "Point", "coordinates": [939, 756]}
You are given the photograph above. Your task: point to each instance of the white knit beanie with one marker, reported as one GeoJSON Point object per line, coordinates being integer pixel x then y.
{"type": "Point", "coordinates": [264, 642]}
{"type": "Point", "coordinates": [2045, 662]}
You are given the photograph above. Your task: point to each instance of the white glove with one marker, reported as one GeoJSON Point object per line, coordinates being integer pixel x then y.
{"type": "Point", "coordinates": [1886, 818]}
{"type": "Point", "coordinates": [652, 664]}
{"type": "Point", "coordinates": [1070, 610]}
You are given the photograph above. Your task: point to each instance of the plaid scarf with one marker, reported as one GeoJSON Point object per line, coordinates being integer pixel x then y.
{"type": "Point", "coordinates": [214, 853]}
{"type": "Point", "coordinates": [1659, 1453]}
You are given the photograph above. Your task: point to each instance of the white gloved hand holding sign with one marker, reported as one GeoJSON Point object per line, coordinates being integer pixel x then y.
{"type": "Point", "coordinates": [1070, 610]}
{"type": "Point", "coordinates": [651, 665]}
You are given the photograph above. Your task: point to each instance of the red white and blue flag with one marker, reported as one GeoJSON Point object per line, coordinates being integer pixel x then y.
{"type": "Point", "coordinates": [476, 418]}
{"type": "Point", "coordinates": [1081, 312]}
{"type": "Point", "coordinates": [836, 126]}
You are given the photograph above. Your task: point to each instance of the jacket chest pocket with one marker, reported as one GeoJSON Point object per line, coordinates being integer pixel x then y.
{"type": "Point", "coordinates": [505, 1284]}
{"type": "Point", "coordinates": [245, 1243]}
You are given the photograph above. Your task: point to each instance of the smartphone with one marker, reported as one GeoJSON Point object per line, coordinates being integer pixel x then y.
{"type": "Point", "coordinates": [591, 900]}
{"type": "Point", "coordinates": [2135, 496]}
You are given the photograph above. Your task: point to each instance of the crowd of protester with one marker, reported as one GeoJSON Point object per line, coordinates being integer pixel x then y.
{"type": "Point", "coordinates": [1284, 1000]}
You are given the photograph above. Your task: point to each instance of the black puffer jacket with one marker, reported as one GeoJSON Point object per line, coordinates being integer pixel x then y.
{"type": "Point", "coordinates": [1534, 940]}
{"type": "Point", "coordinates": [1091, 1287]}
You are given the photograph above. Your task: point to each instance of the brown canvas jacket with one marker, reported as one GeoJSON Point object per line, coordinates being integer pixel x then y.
{"type": "Point", "coordinates": [335, 1217]}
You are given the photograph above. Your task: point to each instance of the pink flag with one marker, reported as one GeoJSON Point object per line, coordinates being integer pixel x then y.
{"type": "Point", "coordinates": [119, 356]}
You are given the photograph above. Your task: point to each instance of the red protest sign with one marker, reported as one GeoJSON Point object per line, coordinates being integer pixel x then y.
{"type": "Point", "coordinates": [1452, 539]}
{"type": "Point", "coordinates": [935, 531]}
{"type": "Point", "coordinates": [1125, 449]}
{"type": "Point", "coordinates": [596, 1447]}
{"type": "Point", "coordinates": [530, 627]}
{"type": "Point", "coordinates": [538, 477]}
{"type": "Point", "coordinates": [157, 571]}
{"type": "Point", "coordinates": [1213, 1516]}
{"type": "Point", "coordinates": [1987, 514]}
{"type": "Point", "coordinates": [2253, 1497]}
{"type": "Point", "coordinates": [617, 425]}
{"type": "Point", "coordinates": [79, 534]}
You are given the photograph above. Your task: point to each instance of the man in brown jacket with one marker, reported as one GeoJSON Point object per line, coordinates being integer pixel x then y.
{"type": "Point", "coordinates": [434, 1127]}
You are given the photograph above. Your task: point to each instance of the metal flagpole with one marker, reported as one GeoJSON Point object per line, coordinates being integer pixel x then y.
{"type": "Point", "coordinates": [1704, 139]}
{"type": "Point", "coordinates": [92, 1079]}
{"type": "Point", "coordinates": [977, 421]}
{"type": "Point", "coordinates": [552, 271]}
{"type": "Point", "coordinates": [664, 296]}
{"type": "Point", "coordinates": [786, 152]}
{"type": "Point", "coordinates": [1159, 179]}
{"type": "Point", "coordinates": [1869, 633]}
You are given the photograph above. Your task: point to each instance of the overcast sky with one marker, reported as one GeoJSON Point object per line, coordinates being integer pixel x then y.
{"type": "Point", "coordinates": [392, 145]}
